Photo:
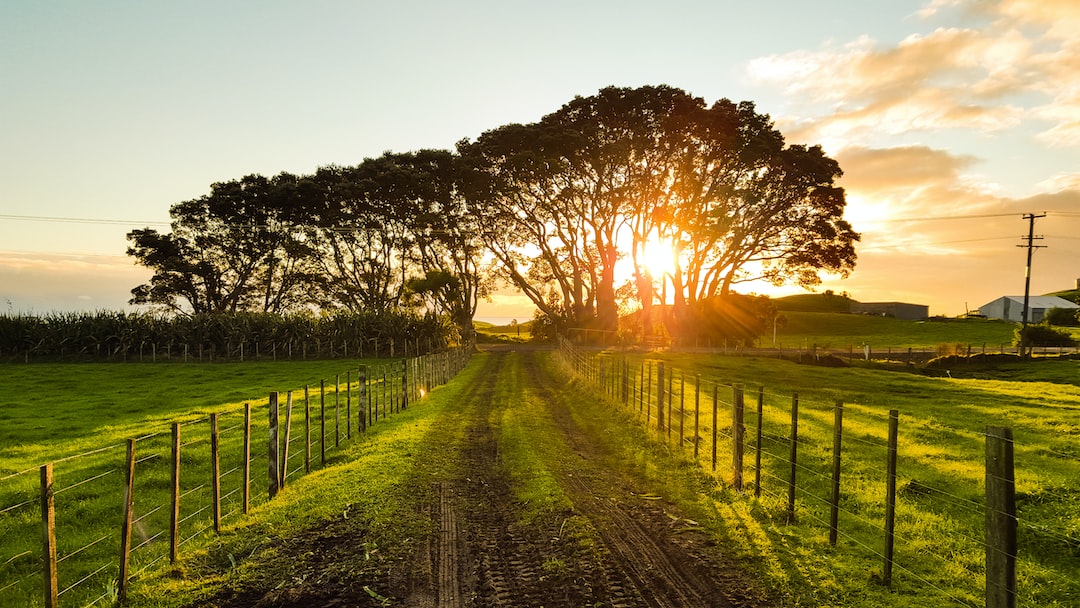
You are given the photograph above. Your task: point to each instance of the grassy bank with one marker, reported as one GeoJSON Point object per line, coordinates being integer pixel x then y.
{"type": "Point", "coordinates": [80, 416]}
{"type": "Point", "coordinates": [940, 517]}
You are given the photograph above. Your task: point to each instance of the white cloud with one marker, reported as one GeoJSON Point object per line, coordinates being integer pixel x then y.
{"type": "Point", "coordinates": [988, 79]}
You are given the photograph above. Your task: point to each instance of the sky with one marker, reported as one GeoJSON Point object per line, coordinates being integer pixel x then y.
{"type": "Point", "coordinates": [951, 119]}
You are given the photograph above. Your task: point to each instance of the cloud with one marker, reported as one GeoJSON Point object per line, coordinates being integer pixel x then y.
{"type": "Point", "coordinates": [1061, 182]}
{"type": "Point", "coordinates": [885, 185]}
{"type": "Point", "coordinates": [986, 79]}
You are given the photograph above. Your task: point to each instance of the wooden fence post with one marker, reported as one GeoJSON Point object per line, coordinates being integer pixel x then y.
{"type": "Point", "coordinates": [715, 413]}
{"type": "Point", "coordinates": [641, 389]}
{"type": "Point", "coordinates": [307, 430]}
{"type": "Point", "coordinates": [670, 400]}
{"type": "Point", "coordinates": [793, 459]}
{"type": "Point", "coordinates": [361, 385]}
{"type": "Point", "coordinates": [215, 472]}
{"type": "Point", "coordinates": [757, 443]}
{"type": "Point", "coordinates": [337, 410]}
{"type": "Point", "coordinates": [682, 409]}
{"type": "Point", "coordinates": [697, 415]}
{"type": "Point", "coordinates": [890, 497]}
{"type": "Point", "coordinates": [1001, 522]}
{"type": "Point", "coordinates": [660, 397]}
{"type": "Point", "coordinates": [288, 439]}
{"type": "Point", "coordinates": [174, 517]}
{"type": "Point", "coordinates": [738, 435]}
{"type": "Point", "coordinates": [348, 404]}
{"type": "Point", "coordinates": [272, 451]}
{"type": "Point", "coordinates": [129, 516]}
{"type": "Point", "coordinates": [48, 537]}
{"type": "Point", "coordinates": [838, 435]}
{"type": "Point", "coordinates": [246, 469]}
{"type": "Point", "coordinates": [322, 423]}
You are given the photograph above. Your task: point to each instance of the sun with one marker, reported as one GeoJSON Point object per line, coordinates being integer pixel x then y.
{"type": "Point", "coordinates": [658, 257]}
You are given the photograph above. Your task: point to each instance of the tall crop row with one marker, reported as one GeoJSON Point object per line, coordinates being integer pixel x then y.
{"type": "Point", "coordinates": [108, 335]}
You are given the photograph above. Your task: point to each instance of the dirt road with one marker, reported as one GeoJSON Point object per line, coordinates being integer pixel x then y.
{"type": "Point", "coordinates": [609, 542]}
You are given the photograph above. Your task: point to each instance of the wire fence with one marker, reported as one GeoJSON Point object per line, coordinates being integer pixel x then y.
{"type": "Point", "coordinates": [171, 486]}
{"type": "Point", "coordinates": [946, 520]}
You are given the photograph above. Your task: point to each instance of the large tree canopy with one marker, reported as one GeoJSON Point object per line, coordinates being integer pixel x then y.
{"type": "Point", "coordinates": [390, 234]}
{"type": "Point", "coordinates": [559, 206]}
{"type": "Point", "coordinates": [236, 249]}
{"type": "Point", "coordinates": [613, 174]}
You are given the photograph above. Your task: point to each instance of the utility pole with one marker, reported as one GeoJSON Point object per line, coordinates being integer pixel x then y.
{"type": "Point", "coordinates": [1031, 246]}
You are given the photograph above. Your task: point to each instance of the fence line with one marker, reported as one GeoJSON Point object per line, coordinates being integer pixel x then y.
{"type": "Point", "coordinates": [813, 482]}
{"type": "Point", "coordinates": [193, 501]}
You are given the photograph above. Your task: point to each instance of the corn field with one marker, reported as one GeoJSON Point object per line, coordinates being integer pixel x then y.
{"type": "Point", "coordinates": [124, 336]}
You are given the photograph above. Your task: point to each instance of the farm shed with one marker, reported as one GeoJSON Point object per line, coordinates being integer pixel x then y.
{"type": "Point", "coordinates": [1011, 308]}
{"type": "Point", "coordinates": [900, 310]}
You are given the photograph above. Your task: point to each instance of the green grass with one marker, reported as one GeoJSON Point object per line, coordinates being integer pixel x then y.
{"type": "Point", "coordinates": [386, 476]}
{"type": "Point", "coordinates": [488, 333]}
{"type": "Point", "coordinates": [940, 520]}
{"type": "Point", "coordinates": [842, 331]}
{"type": "Point", "coordinates": [80, 417]}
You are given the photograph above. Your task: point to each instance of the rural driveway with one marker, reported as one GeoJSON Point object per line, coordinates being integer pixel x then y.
{"type": "Point", "coordinates": [597, 535]}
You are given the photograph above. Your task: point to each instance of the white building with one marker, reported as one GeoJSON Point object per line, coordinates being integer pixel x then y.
{"type": "Point", "coordinates": [1011, 308]}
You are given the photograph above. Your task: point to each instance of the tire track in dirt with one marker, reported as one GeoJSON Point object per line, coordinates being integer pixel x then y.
{"type": "Point", "coordinates": [487, 556]}
{"type": "Point", "coordinates": [483, 557]}
{"type": "Point", "coordinates": [655, 569]}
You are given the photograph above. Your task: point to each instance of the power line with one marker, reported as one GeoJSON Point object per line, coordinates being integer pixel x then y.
{"type": "Point", "coordinates": [945, 217]}
{"type": "Point", "coordinates": [76, 220]}
{"type": "Point", "coordinates": [932, 243]}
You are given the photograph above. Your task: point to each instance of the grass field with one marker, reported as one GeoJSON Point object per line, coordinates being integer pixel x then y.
{"type": "Point", "coordinates": [56, 412]}
{"type": "Point", "coordinates": [841, 331]}
{"type": "Point", "coordinates": [79, 417]}
{"type": "Point", "coordinates": [940, 517]}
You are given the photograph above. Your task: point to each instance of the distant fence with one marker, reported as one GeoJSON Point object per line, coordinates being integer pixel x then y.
{"type": "Point", "coordinates": [174, 484]}
{"type": "Point", "coordinates": [751, 440]}
{"type": "Point", "coordinates": [230, 351]}
{"type": "Point", "coordinates": [850, 352]}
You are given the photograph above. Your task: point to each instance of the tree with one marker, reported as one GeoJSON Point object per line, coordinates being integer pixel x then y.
{"type": "Point", "coordinates": [529, 221]}
{"type": "Point", "coordinates": [625, 169]}
{"type": "Point", "coordinates": [397, 226]}
{"type": "Point", "coordinates": [1064, 317]}
{"type": "Point", "coordinates": [744, 207]}
{"type": "Point", "coordinates": [236, 249]}
{"type": "Point", "coordinates": [566, 189]}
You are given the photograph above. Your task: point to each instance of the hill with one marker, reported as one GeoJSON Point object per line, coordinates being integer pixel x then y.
{"type": "Point", "coordinates": [1072, 295]}
{"type": "Point", "coordinates": [814, 302]}
{"type": "Point", "coordinates": [835, 330]}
